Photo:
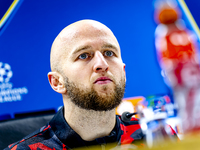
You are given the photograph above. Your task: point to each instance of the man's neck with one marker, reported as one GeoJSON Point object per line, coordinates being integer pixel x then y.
{"type": "Point", "coordinates": [89, 124]}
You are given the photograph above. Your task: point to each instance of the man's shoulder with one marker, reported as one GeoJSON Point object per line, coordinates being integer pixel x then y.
{"type": "Point", "coordinates": [131, 131]}
{"type": "Point", "coordinates": [32, 140]}
{"type": "Point", "coordinates": [129, 125]}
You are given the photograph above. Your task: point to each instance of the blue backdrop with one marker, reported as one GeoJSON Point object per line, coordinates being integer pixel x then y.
{"type": "Point", "coordinates": [27, 35]}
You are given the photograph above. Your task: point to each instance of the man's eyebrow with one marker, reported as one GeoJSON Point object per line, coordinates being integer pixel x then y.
{"type": "Point", "coordinates": [110, 46]}
{"type": "Point", "coordinates": [81, 48]}
{"type": "Point", "coordinates": [86, 47]}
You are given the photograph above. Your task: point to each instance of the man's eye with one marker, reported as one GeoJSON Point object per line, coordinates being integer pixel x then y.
{"type": "Point", "coordinates": [108, 53]}
{"type": "Point", "coordinates": [83, 56]}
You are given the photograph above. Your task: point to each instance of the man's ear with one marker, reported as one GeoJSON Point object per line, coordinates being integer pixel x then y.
{"type": "Point", "coordinates": [124, 71]}
{"type": "Point", "coordinates": [56, 82]}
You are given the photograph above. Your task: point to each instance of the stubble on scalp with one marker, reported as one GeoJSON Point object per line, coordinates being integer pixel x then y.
{"type": "Point", "coordinates": [62, 44]}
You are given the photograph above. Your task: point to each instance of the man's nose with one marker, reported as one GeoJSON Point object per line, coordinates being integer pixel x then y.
{"type": "Point", "coordinates": [100, 63]}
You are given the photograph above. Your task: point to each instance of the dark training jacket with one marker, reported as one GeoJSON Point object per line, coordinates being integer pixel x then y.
{"type": "Point", "coordinates": [58, 135]}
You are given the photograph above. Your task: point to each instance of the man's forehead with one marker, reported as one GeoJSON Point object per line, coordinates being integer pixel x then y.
{"type": "Point", "coordinates": [83, 30]}
{"type": "Point", "coordinates": [76, 33]}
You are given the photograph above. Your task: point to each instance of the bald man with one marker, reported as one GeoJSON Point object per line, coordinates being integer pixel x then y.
{"type": "Point", "coordinates": [87, 69]}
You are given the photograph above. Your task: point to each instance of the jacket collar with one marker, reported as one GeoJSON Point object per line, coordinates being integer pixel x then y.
{"type": "Point", "coordinates": [71, 139]}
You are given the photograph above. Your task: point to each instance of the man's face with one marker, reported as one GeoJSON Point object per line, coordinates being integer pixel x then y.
{"type": "Point", "coordinates": [93, 69]}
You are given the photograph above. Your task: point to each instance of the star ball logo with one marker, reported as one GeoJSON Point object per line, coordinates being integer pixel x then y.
{"type": "Point", "coordinates": [7, 92]}
{"type": "Point", "coordinates": [5, 72]}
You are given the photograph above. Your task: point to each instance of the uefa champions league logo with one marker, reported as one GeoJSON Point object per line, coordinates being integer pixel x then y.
{"type": "Point", "coordinates": [7, 92]}
{"type": "Point", "coordinates": [5, 72]}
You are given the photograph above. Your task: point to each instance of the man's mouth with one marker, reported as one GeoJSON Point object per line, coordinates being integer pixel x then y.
{"type": "Point", "coordinates": [103, 80]}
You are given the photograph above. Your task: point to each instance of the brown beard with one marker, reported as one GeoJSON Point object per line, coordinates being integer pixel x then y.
{"type": "Point", "coordinates": [89, 99]}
